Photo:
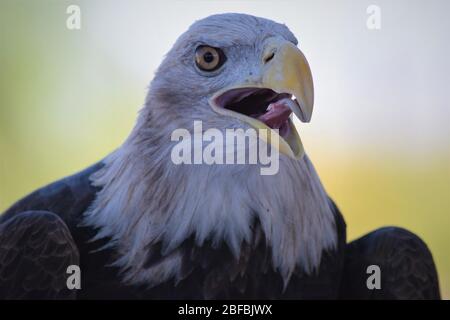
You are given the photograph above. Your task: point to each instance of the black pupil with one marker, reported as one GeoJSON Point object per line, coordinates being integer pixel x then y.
{"type": "Point", "coordinates": [208, 57]}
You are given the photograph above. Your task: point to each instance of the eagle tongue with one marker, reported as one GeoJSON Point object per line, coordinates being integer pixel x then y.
{"type": "Point", "coordinates": [276, 115]}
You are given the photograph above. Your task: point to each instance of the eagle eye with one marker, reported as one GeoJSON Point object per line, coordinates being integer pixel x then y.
{"type": "Point", "coordinates": [209, 58]}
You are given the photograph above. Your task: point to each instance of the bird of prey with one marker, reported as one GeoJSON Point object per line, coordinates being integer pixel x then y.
{"type": "Point", "coordinates": [140, 226]}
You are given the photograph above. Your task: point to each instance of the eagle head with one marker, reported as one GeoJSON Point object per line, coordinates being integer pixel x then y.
{"type": "Point", "coordinates": [236, 70]}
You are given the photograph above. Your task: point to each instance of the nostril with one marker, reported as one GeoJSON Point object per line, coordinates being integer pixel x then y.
{"type": "Point", "coordinates": [269, 57]}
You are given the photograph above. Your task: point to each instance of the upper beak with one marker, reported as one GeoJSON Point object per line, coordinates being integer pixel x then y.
{"type": "Point", "coordinates": [284, 70]}
{"type": "Point", "coordinates": [289, 72]}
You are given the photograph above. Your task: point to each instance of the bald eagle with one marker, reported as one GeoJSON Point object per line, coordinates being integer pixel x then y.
{"type": "Point", "coordinates": [140, 226]}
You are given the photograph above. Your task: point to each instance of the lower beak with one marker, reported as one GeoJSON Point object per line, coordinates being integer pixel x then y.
{"type": "Point", "coordinates": [286, 72]}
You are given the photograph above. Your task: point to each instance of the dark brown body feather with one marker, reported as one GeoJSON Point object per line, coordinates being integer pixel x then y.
{"type": "Point", "coordinates": [37, 246]}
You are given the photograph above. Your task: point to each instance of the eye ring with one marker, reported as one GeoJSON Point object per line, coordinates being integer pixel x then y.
{"type": "Point", "coordinates": [209, 58]}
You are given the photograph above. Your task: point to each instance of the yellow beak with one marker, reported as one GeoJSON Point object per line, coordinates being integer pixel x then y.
{"type": "Point", "coordinates": [289, 72]}
{"type": "Point", "coordinates": [286, 72]}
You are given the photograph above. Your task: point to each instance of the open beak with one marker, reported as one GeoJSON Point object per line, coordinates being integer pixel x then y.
{"type": "Point", "coordinates": [285, 86]}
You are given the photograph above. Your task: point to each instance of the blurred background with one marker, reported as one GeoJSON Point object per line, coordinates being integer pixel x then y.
{"type": "Point", "coordinates": [379, 136]}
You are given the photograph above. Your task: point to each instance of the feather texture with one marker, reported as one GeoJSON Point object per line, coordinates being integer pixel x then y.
{"type": "Point", "coordinates": [36, 248]}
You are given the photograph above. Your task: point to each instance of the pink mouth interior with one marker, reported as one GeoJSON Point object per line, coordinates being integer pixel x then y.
{"type": "Point", "coordinates": [264, 105]}
{"type": "Point", "coordinates": [277, 116]}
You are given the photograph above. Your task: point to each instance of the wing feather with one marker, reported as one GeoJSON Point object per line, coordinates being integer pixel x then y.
{"type": "Point", "coordinates": [36, 248]}
{"type": "Point", "coordinates": [406, 266]}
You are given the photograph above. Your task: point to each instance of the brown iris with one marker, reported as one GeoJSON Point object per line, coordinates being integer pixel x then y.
{"type": "Point", "coordinates": [209, 58]}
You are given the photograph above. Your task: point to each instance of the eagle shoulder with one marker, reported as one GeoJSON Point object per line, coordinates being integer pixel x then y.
{"type": "Point", "coordinates": [36, 248]}
{"type": "Point", "coordinates": [68, 198]}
